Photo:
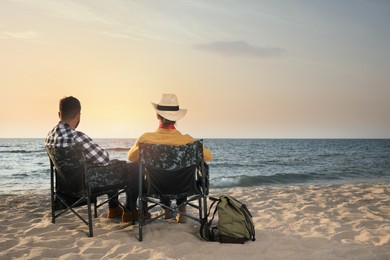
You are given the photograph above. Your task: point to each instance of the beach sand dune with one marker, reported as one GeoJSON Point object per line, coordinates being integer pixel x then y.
{"type": "Point", "coordinates": [349, 221]}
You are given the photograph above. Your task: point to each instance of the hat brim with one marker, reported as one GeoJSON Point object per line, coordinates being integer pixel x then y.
{"type": "Point", "coordinates": [171, 115]}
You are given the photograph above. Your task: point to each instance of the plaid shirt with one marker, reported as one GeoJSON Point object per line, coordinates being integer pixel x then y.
{"type": "Point", "coordinates": [64, 135]}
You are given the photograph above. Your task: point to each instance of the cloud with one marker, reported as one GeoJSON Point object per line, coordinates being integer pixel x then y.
{"type": "Point", "coordinates": [238, 48]}
{"type": "Point", "coordinates": [26, 35]}
{"type": "Point", "coordinates": [79, 11]}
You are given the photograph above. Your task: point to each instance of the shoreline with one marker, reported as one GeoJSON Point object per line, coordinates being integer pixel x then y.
{"type": "Point", "coordinates": [323, 183]}
{"type": "Point", "coordinates": [334, 221]}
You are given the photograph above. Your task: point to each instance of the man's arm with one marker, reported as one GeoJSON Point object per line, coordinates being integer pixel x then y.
{"type": "Point", "coordinates": [93, 152]}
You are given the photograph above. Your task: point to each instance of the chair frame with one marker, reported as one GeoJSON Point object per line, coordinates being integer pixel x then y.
{"type": "Point", "coordinates": [85, 196]}
{"type": "Point", "coordinates": [148, 160]}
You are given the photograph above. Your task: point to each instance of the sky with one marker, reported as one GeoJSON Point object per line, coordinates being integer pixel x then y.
{"type": "Point", "coordinates": [242, 68]}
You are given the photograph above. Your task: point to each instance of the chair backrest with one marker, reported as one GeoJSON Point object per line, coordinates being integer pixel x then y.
{"type": "Point", "coordinates": [171, 169]}
{"type": "Point", "coordinates": [69, 165]}
{"type": "Point", "coordinates": [170, 157]}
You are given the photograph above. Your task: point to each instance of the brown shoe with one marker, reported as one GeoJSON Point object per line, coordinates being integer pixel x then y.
{"type": "Point", "coordinates": [114, 212]}
{"type": "Point", "coordinates": [127, 216]}
{"type": "Point", "coordinates": [168, 214]}
{"type": "Point", "coordinates": [179, 217]}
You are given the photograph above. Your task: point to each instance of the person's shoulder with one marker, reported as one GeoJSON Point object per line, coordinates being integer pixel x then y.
{"type": "Point", "coordinates": [81, 136]}
{"type": "Point", "coordinates": [51, 132]}
{"type": "Point", "coordinates": [145, 137]}
{"type": "Point", "coordinates": [189, 137]}
{"type": "Point", "coordinates": [186, 139]}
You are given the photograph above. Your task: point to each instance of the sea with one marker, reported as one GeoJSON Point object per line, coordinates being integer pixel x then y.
{"type": "Point", "coordinates": [236, 162]}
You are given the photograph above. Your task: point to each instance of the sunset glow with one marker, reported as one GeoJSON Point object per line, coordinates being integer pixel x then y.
{"type": "Point", "coordinates": [260, 69]}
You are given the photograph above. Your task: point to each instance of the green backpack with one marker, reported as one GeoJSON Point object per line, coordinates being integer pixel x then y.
{"type": "Point", "coordinates": [235, 223]}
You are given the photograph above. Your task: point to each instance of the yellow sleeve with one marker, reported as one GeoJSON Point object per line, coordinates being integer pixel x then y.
{"type": "Point", "coordinates": [133, 154]}
{"type": "Point", "coordinates": [207, 155]}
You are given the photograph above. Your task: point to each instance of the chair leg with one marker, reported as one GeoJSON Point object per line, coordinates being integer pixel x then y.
{"type": "Point", "coordinates": [200, 208]}
{"type": "Point", "coordinates": [204, 206]}
{"type": "Point", "coordinates": [89, 216]}
{"type": "Point", "coordinates": [140, 219]}
{"type": "Point", "coordinates": [140, 238]}
{"type": "Point", "coordinates": [133, 208]}
{"type": "Point", "coordinates": [53, 213]}
{"type": "Point", "coordinates": [95, 208]}
{"type": "Point", "coordinates": [140, 202]}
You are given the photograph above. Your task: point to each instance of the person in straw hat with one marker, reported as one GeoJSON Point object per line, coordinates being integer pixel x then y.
{"type": "Point", "coordinates": [168, 113]}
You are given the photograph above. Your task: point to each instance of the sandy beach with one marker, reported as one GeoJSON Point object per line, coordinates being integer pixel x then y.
{"type": "Point", "coordinates": [349, 221]}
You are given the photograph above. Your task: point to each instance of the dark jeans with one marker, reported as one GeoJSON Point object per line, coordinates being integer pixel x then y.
{"type": "Point", "coordinates": [117, 172]}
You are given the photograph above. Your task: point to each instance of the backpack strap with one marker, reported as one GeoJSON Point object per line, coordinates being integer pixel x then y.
{"type": "Point", "coordinates": [250, 228]}
{"type": "Point", "coordinates": [215, 200]}
{"type": "Point", "coordinates": [206, 231]}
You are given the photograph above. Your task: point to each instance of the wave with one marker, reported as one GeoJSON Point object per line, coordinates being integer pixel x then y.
{"type": "Point", "coordinates": [281, 178]}
{"type": "Point", "coordinates": [330, 155]}
{"type": "Point", "coordinates": [237, 165]}
{"type": "Point", "coordinates": [24, 151]}
{"type": "Point", "coordinates": [18, 176]}
{"type": "Point", "coordinates": [117, 149]}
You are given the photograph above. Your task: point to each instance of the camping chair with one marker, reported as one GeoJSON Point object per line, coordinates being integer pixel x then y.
{"type": "Point", "coordinates": [172, 172]}
{"type": "Point", "coordinates": [74, 183]}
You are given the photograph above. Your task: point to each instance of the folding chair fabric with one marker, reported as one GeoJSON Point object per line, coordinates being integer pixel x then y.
{"type": "Point", "coordinates": [172, 172]}
{"type": "Point", "coordinates": [169, 157]}
{"type": "Point", "coordinates": [74, 183]}
{"type": "Point", "coordinates": [162, 183]}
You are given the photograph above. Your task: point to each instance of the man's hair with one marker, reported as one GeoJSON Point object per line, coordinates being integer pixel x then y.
{"type": "Point", "coordinates": [165, 122]}
{"type": "Point", "coordinates": [69, 107]}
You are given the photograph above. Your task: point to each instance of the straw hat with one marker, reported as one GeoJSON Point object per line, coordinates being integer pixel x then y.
{"type": "Point", "coordinates": [168, 107]}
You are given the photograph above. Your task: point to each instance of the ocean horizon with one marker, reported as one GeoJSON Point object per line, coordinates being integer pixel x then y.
{"type": "Point", "coordinates": [237, 162]}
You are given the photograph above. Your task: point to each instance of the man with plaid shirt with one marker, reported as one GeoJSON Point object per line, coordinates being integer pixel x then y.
{"type": "Point", "coordinates": [64, 134]}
